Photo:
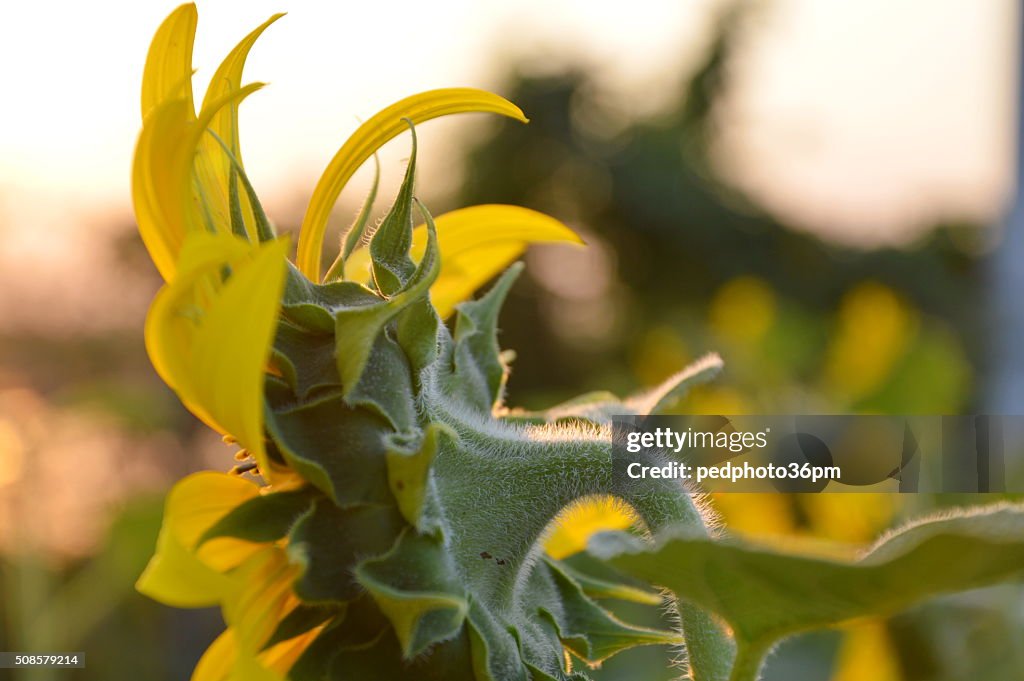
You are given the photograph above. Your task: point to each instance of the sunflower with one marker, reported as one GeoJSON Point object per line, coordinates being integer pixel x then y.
{"type": "Point", "coordinates": [237, 326]}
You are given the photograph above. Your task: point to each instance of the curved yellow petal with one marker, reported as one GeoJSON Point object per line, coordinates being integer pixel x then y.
{"type": "Point", "coordinates": [224, 123]}
{"type": "Point", "coordinates": [280, 657]}
{"type": "Point", "coordinates": [157, 194]}
{"type": "Point", "coordinates": [262, 599]}
{"type": "Point", "coordinates": [177, 575]}
{"type": "Point", "coordinates": [576, 524]}
{"type": "Point", "coordinates": [367, 139]}
{"type": "Point", "coordinates": [168, 71]}
{"type": "Point", "coordinates": [218, 660]}
{"type": "Point", "coordinates": [210, 340]}
{"type": "Point", "coordinates": [198, 501]}
{"type": "Point", "coordinates": [173, 190]}
{"type": "Point", "coordinates": [476, 243]}
{"type": "Point", "coordinates": [226, 80]}
{"type": "Point", "coordinates": [223, 661]}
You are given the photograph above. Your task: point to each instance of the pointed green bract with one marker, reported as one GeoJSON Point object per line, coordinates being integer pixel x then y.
{"type": "Point", "coordinates": [480, 372]}
{"type": "Point", "coordinates": [355, 234]}
{"type": "Point", "coordinates": [409, 471]}
{"type": "Point", "coordinates": [416, 587]}
{"type": "Point", "coordinates": [262, 519]}
{"type": "Point", "coordinates": [389, 248]}
{"type": "Point", "coordinates": [356, 329]}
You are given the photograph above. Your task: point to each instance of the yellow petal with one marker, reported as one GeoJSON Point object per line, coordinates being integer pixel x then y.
{"type": "Point", "coordinates": [280, 657]}
{"type": "Point", "coordinates": [476, 244]}
{"type": "Point", "coordinates": [210, 341]}
{"type": "Point", "coordinates": [255, 609]}
{"type": "Point", "coordinates": [249, 668]}
{"type": "Point", "coordinates": [228, 79]}
{"type": "Point", "coordinates": [157, 194]}
{"type": "Point", "coordinates": [576, 524]}
{"type": "Point", "coordinates": [366, 140]}
{"type": "Point", "coordinates": [168, 71]}
{"type": "Point", "coordinates": [176, 577]}
{"type": "Point", "coordinates": [224, 661]}
{"type": "Point", "coordinates": [174, 190]}
{"type": "Point", "coordinates": [199, 501]}
{"type": "Point", "coordinates": [179, 575]}
{"type": "Point", "coordinates": [218, 660]}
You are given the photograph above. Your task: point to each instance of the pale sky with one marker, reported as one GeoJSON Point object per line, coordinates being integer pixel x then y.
{"type": "Point", "coordinates": [860, 119]}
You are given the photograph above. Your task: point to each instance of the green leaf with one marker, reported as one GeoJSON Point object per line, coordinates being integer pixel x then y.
{"type": "Point", "coordinates": [480, 373]}
{"type": "Point", "coordinates": [362, 646]}
{"type": "Point", "coordinates": [382, 661]}
{"type": "Point", "coordinates": [765, 595]}
{"type": "Point", "coordinates": [599, 581]}
{"type": "Point", "coordinates": [416, 332]}
{"type": "Point", "coordinates": [305, 358]}
{"type": "Point", "coordinates": [360, 625]}
{"type": "Point", "coordinates": [416, 587]}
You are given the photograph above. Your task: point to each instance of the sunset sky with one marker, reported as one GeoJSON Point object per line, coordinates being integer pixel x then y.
{"type": "Point", "coordinates": [860, 120]}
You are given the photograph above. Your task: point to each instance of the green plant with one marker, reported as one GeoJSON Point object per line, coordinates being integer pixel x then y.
{"type": "Point", "coordinates": [396, 529]}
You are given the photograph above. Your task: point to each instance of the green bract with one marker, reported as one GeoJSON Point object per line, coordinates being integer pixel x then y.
{"type": "Point", "coordinates": [419, 538]}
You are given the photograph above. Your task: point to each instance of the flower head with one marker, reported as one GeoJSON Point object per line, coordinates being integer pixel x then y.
{"type": "Point", "coordinates": [400, 507]}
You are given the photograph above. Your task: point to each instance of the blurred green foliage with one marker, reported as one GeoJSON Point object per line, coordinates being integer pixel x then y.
{"type": "Point", "coordinates": [92, 606]}
{"type": "Point", "coordinates": [684, 264]}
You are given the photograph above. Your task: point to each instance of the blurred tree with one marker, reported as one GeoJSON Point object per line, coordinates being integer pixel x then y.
{"type": "Point", "coordinates": [677, 233]}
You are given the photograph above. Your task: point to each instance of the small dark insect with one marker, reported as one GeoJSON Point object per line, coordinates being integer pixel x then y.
{"type": "Point", "coordinates": [485, 555]}
{"type": "Point", "coordinates": [500, 561]}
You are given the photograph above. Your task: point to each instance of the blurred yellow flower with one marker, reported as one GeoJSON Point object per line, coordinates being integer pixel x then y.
{"type": "Point", "coordinates": [874, 329]}
{"type": "Point", "coordinates": [743, 310]}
